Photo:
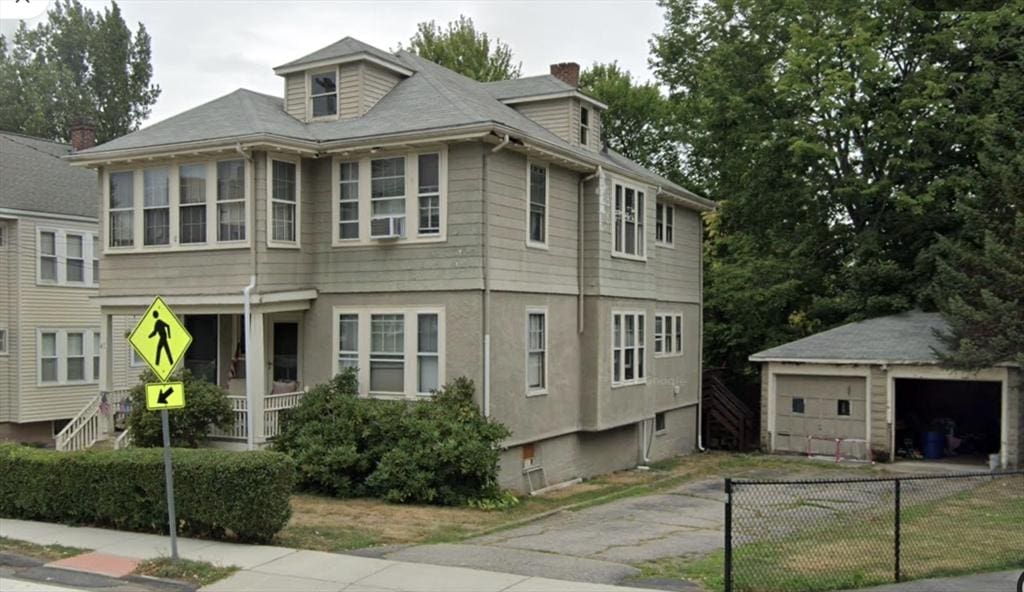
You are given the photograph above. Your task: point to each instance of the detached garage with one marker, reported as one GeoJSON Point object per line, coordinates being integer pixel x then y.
{"type": "Point", "coordinates": [875, 387]}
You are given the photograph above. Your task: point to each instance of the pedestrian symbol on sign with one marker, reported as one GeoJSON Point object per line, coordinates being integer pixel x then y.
{"type": "Point", "coordinates": [163, 331]}
{"type": "Point", "coordinates": [160, 339]}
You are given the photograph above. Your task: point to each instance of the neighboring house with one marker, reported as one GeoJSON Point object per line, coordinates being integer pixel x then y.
{"type": "Point", "coordinates": [879, 381]}
{"type": "Point", "coordinates": [397, 217]}
{"type": "Point", "coordinates": [49, 276]}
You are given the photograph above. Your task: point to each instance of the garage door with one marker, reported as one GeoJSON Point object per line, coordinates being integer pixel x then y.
{"type": "Point", "coordinates": [823, 406]}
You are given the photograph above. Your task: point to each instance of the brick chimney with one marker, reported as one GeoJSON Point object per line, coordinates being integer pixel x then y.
{"type": "Point", "coordinates": [567, 72]}
{"type": "Point", "coordinates": [83, 133]}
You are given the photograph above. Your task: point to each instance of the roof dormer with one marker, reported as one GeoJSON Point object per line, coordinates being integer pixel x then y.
{"type": "Point", "coordinates": [340, 81]}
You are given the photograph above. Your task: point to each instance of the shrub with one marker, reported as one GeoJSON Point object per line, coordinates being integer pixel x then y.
{"type": "Point", "coordinates": [218, 493]}
{"type": "Point", "coordinates": [440, 450]}
{"type": "Point", "coordinates": [205, 405]}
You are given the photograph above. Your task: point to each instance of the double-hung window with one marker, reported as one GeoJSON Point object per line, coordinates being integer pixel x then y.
{"type": "Point", "coordinates": [628, 348]}
{"type": "Point", "coordinates": [348, 200]}
{"type": "Point", "coordinates": [629, 221]}
{"type": "Point", "coordinates": [68, 356]}
{"type": "Point", "coordinates": [665, 215]}
{"type": "Point", "coordinates": [74, 257]}
{"type": "Point", "coordinates": [95, 260]}
{"type": "Point", "coordinates": [668, 334]}
{"type": "Point", "coordinates": [387, 353]}
{"type": "Point", "coordinates": [348, 341]}
{"type": "Point", "coordinates": [323, 93]}
{"type": "Point", "coordinates": [584, 126]}
{"type": "Point", "coordinates": [3, 342]}
{"type": "Point", "coordinates": [49, 360]}
{"type": "Point", "coordinates": [122, 205]}
{"type": "Point", "coordinates": [192, 204]}
{"type": "Point", "coordinates": [48, 256]}
{"type": "Point", "coordinates": [427, 354]}
{"type": "Point", "coordinates": [75, 356]}
{"type": "Point", "coordinates": [231, 200]}
{"type": "Point", "coordinates": [96, 355]}
{"type": "Point", "coordinates": [538, 205]}
{"type": "Point", "coordinates": [283, 201]}
{"type": "Point", "coordinates": [536, 351]}
{"type": "Point", "coordinates": [156, 205]}
{"type": "Point", "coordinates": [429, 193]}
{"type": "Point", "coordinates": [387, 196]}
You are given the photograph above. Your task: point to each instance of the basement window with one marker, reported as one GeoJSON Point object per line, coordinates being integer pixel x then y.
{"type": "Point", "coordinates": [843, 407]}
{"type": "Point", "coordinates": [798, 405]}
{"type": "Point", "coordinates": [659, 422]}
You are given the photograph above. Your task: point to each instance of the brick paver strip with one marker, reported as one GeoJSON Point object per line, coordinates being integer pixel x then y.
{"type": "Point", "coordinates": [99, 563]}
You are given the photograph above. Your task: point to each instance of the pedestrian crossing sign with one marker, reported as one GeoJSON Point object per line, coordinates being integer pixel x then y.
{"type": "Point", "coordinates": [160, 339]}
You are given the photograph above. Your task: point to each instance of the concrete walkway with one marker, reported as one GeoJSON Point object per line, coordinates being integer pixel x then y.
{"type": "Point", "coordinates": [279, 569]}
{"type": "Point", "coordinates": [1003, 581]}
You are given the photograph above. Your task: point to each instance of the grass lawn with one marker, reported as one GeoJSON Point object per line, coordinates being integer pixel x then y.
{"type": "Point", "coordinates": [41, 552]}
{"type": "Point", "coordinates": [197, 573]}
{"type": "Point", "coordinates": [974, 531]}
{"type": "Point", "coordinates": [330, 524]}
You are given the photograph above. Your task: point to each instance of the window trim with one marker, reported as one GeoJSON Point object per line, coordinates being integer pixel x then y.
{"type": "Point", "coordinates": [411, 349]}
{"type": "Point", "coordinates": [669, 338]}
{"type": "Point", "coordinates": [297, 161]}
{"type": "Point", "coordinates": [89, 255]}
{"type": "Point", "coordinates": [663, 224]}
{"type": "Point", "coordinates": [337, 93]}
{"type": "Point", "coordinates": [61, 355]}
{"type": "Point", "coordinates": [622, 360]}
{"type": "Point", "coordinates": [546, 243]}
{"type": "Point", "coordinates": [543, 390]}
{"type": "Point", "coordinates": [174, 244]}
{"type": "Point", "coordinates": [365, 205]}
{"type": "Point", "coordinates": [638, 190]}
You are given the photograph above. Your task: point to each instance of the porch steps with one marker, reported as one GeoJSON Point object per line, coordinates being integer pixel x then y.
{"type": "Point", "coordinates": [729, 424]}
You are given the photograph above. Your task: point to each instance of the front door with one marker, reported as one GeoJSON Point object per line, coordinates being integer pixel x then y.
{"type": "Point", "coordinates": [201, 358]}
{"type": "Point", "coordinates": [286, 352]}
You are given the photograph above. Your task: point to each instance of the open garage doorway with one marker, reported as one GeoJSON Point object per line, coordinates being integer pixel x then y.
{"type": "Point", "coordinates": [955, 421]}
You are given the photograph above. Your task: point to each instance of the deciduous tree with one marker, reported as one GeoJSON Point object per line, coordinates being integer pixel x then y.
{"type": "Point", "coordinates": [460, 47]}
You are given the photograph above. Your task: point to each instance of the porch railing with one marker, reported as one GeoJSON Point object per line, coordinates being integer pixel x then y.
{"type": "Point", "coordinates": [273, 405]}
{"type": "Point", "coordinates": [239, 406]}
{"type": "Point", "coordinates": [93, 423]}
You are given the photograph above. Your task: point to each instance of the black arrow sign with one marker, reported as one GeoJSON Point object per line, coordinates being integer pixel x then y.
{"type": "Point", "coordinates": [161, 399]}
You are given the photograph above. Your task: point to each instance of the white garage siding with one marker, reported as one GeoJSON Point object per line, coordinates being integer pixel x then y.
{"type": "Point", "coordinates": [821, 397]}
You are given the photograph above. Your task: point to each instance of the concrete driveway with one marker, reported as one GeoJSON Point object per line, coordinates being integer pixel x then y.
{"type": "Point", "coordinates": [595, 544]}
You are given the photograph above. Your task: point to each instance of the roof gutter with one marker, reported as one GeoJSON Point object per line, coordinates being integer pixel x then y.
{"type": "Point", "coordinates": [249, 141]}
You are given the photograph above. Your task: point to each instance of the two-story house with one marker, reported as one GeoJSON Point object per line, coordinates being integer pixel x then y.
{"type": "Point", "coordinates": [49, 277]}
{"type": "Point", "coordinates": [391, 215]}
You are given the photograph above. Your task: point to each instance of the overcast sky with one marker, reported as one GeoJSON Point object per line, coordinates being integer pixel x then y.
{"type": "Point", "coordinates": [205, 49]}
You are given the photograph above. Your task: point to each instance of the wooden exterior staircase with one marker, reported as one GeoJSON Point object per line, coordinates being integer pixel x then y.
{"type": "Point", "coordinates": [728, 422]}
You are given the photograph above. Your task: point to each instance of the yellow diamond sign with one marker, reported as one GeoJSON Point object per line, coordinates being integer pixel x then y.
{"type": "Point", "coordinates": [160, 339]}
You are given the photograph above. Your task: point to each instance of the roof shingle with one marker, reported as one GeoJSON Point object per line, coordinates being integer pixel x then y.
{"type": "Point", "coordinates": [34, 177]}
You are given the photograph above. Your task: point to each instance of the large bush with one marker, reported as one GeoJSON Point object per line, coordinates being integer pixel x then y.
{"type": "Point", "coordinates": [205, 405]}
{"type": "Point", "coordinates": [218, 493]}
{"type": "Point", "coordinates": [440, 450]}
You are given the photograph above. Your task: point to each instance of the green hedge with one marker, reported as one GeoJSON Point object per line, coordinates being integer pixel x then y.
{"type": "Point", "coordinates": [218, 493]}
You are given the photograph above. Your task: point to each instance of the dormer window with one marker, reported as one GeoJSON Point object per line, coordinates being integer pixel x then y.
{"type": "Point", "coordinates": [584, 126]}
{"type": "Point", "coordinates": [323, 92]}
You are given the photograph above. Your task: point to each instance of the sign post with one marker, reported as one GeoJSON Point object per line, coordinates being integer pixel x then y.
{"type": "Point", "coordinates": [161, 340]}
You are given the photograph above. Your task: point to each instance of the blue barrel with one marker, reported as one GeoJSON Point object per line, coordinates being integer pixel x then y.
{"type": "Point", "coordinates": [934, 442]}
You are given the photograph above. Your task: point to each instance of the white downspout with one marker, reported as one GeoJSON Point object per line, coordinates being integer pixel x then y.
{"type": "Point", "coordinates": [249, 370]}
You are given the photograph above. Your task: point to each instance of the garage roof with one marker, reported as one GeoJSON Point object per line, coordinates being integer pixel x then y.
{"type": "Point", "coordinates": [909, 337]}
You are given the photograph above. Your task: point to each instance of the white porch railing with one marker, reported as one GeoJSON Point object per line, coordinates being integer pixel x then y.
{"type": "Point", "coordinates": [273, 405]}
{"type": "Point", "coordinates": [123, 440]}
{"type": "Point", "coordinates": [239, 432]}
{"type": "Point", "coordinates": [83, 430]}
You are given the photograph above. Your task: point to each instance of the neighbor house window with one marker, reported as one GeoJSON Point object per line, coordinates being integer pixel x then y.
{"type": "Point", "coordinates": [629, 221]}
{"type": "Point", "coordinates": [798, 405]}
{"type": "Point", "coordinates": [430, 193]}
{"type": "Point", "coordinates": [231, 200]}
{"type": "Point", "coordinates": [122, 204]}
{"type": "Point", "coordinates": [48, 256]}
{"type": "Point", "coordinates": [427, 355]}
{"type": "Point", "coordinates": [584, 126]}
{"type": "Point", "coordinates": [3, 342]}
{"type": "Point", "coordinates": [323, 92]}
{"type": "Point", "coordinates": [659, 422]}
{"type": "Point", "coordinates": [538, 213]}
{"type": "Point", "coordinates": [74, 257]}
{"type": "Point", "coordinates": [192, 204]}
{"type": "Point", "coordinates": [48, 359]}
{"type": "Point", "coordinates": [96, 355]}
{"type": "Point", "coordinates": [668, 334]}
{"type": "Point", "coordinates": [348, 341]}
{"type": "Point", "coordinates": [628, 347]}
{"type": "Point", "coordinates": [348, 200]}
{"type": "Point", "coordinates": [665, 215]}
{"type": "Point", "coordinates": [843, 407]}
{"type": "Point", "coordinates": [3, 236]}
{"type": "Point", "coordinates": [75, 356]}
{"type": "Point", "coordinates": [156, 207]}
{"type": "Point", "coordinates": [387, 353]}
{"type": "Point", "coordinates": [536, 351]}
{"type": "Point", "coordinates": [387, 196]}
{"type": "Point", "coordinates": [283, 201]}
{"type": "Point", "coordinates": [95, 259]}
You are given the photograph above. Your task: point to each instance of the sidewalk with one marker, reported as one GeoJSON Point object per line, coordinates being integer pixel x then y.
{"type": "Point", "coordinates": [1002, 581]}
{"type": "Point", "coordinates": [279, 569]}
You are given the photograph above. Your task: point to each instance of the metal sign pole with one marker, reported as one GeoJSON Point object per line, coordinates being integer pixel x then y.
{"type": "Point", "coordinates": [172, 521]}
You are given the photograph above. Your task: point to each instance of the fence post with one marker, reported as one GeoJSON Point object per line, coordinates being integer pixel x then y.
{"type": "Point", "coordinates": [897, 537]}
{"type": "Point", "coordinates": [728, 535]}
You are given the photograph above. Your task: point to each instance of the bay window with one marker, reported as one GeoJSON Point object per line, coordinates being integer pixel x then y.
{"type": "Point", "coordinates": [231, 200]}
{"type": "Point", "coordinates": [628, 348]}
{"type": "Point", "coordinates": [284, 202]}
{"type": "Point", "coordinates": [348, 200]}
{"type": "Point", "coordinates": [192, 204]}
{"type": "Point", "coordinates": [122, 206]}
{"type": "Point", "coordinates": [628, 228]}
{"type": "Point", "coordinates": [156, 207]}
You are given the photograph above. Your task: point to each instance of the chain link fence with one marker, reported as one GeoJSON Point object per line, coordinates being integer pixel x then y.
{"type": "Point", "coordinates": [818, 535]}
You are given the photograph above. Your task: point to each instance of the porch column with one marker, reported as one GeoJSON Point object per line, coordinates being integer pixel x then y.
{"type": "Point", "coordinates": [255, 374]}
{"type": "Point", "coordinates": [106, 377]}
